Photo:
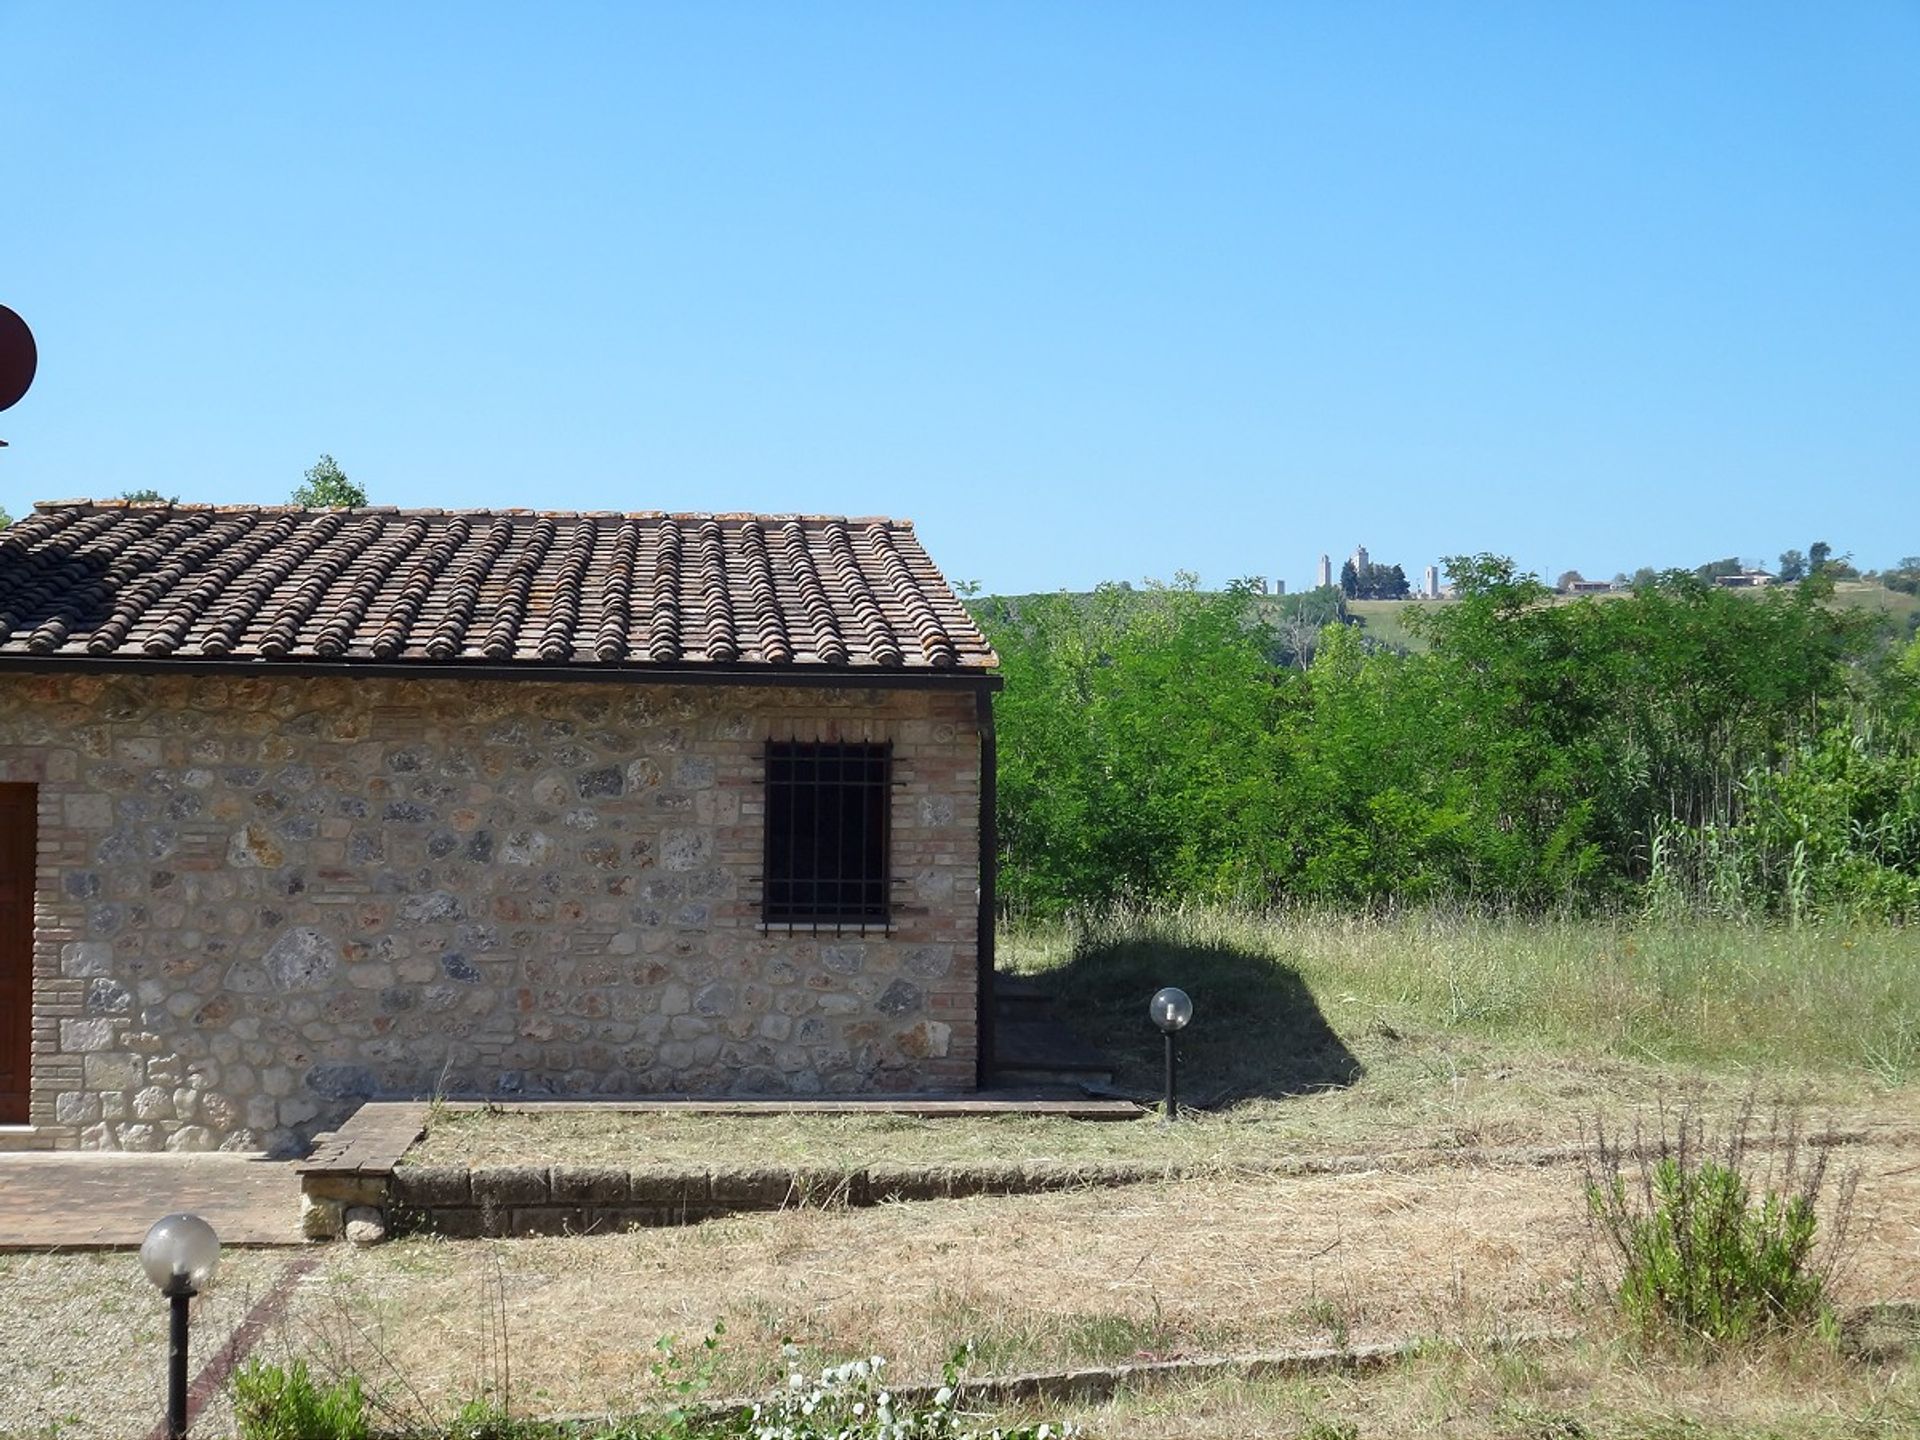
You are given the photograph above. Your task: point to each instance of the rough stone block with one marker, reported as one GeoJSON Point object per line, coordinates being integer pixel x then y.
{"type": "Point", "coordinates": [321, 1218]}
{"type": "Point", "coordinates": [666, 1188]}
{"type": "Point", "coordinates": [81, 1036]}
{"type": "Point", "coordinates": [587, 1185]}
{"type": "Point", "coordinates": [346, 1189]}
{"type": "Point", "coordinates": [112, 1071]}
{"type": "Point", "coordinates": [431, 1187]}
{"type": "Point", "coordinates": [189, 1139]}
{"type": "Point", "coordinates": [365, 1225]}
{"type": "Point", "coordinates": [84, 959]}
{"type": "Point", "coordinates": [749, 1189]}
{"type": "Point", "coordinates": [508, 1187]}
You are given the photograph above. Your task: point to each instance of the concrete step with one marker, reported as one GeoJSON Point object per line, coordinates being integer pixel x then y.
{"type": "Point", "coordinates": [1053, 1082]}
{"type": "Point", "coordinates": [1019, 997]}
{"type": "Point", "coordinates": [22, 1139]}
{"type": "Point", "coordinates": [1045, 1052]}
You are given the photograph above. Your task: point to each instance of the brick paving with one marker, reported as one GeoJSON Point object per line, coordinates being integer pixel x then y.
{"type": "Point", "coordinates": [106, 1201]}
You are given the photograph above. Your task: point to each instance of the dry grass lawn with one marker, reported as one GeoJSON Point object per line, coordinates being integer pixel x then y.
{"type": "Point", "coordinates": [1171, 1269]}
{"type": "Point", "coordinates": [1448, 1053]}
{"type": "Point", "coordinates": [1421, 1099]}
{"type": "Point", "coordinates": [1579, 1390]}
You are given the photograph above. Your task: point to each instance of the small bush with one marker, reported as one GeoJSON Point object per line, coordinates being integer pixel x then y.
{"type": "Point", "coordinates": [1719, 1242]}
{"type": "Point", "coordinates": [275, 1403]}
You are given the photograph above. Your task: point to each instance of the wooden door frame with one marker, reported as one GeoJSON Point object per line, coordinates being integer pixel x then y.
{"type": "Point", "coordinates": [15, 1108]}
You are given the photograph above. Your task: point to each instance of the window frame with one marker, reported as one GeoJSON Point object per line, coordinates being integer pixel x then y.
{"type": "Point", "coordinates": [784, 763]}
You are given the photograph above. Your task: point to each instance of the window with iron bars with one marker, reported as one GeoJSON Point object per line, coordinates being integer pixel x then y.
{"type": "Point", "coordinates": [828, 806]}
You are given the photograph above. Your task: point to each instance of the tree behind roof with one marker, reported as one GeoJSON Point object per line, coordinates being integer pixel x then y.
{"type": "Point", "coordinates": [327, 487]}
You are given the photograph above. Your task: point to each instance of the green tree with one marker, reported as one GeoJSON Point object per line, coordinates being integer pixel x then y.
{"type": "Point", "coordinates": [327, 487]}
{"type": "Point", "coordinates": [1793, 566]}
{"type": "Point", "coordinates": [1139, 741]}
{"type": "Point", "coordinates": [1298, 620]}
{"type": "Point", "coordinates": [5, 519]}
{"type": "Point", "coordinates": [148, 497]}
{"type": "Point", "coordinates": [1817, 555]}
{"type": "Point", "coordinates": [1905, 576]}
{"type": "Point", "coordinates": [1349, 580]}
{"type": "Point", "coordinates": [1756, 751]}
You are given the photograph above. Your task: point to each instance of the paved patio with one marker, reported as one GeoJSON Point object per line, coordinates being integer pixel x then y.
{"type": "Point", "coordinates": [106, 1201]}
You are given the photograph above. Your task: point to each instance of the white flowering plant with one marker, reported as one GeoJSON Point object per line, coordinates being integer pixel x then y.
{"type": "Point", "coordinates": [852, 1401]}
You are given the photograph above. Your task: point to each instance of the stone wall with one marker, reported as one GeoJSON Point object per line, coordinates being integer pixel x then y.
{"type": "Point", "coordinates": [263, 900]}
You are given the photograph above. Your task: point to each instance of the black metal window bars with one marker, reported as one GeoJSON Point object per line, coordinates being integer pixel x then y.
{"type": "Point", "coordinates": [827, 840]}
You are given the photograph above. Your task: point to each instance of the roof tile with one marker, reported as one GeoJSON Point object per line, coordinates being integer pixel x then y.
{"type": "Point", "coordinates": [109, 579]}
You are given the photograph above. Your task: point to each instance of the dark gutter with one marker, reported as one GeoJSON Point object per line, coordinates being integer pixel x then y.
{"type": "Point", "coordinates": [989, 868]}
{"type": "Point", "coordinates": [811, 676]}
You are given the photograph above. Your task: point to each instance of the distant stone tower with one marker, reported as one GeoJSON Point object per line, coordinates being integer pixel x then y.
{"type": "Point", "coordinates": [1325, 577]}
{"type": "Point", "coordinates": [1432, 587]}
{"type": "Point", "coordinates": [1279, 587]}
{"type": "Point", "coordinates": [1360, 559]}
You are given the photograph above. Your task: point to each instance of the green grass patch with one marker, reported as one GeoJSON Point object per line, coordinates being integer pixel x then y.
{"type": "Point", "coordinates": [1736, 998]}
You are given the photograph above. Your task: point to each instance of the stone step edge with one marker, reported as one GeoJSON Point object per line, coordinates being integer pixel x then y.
{"type": "Point", "coordinates": [1094, 1384]}
{"type": "Point", "coordinates": [548, 1199]}
{"type": "Point", "coordinates": [1099, 1383]}
{"type": "Point", "coordinates": [588, 1183]}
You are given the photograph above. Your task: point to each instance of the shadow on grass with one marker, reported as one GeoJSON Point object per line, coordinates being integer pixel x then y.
{"type": "Point", "coordinates": [1257, 1031]}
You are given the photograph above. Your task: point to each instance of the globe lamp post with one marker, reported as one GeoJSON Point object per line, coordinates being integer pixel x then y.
{"type": "Point", "coordinates": [1171, 1010]}
{"type": "Point", "coordinates": [179, 1255]}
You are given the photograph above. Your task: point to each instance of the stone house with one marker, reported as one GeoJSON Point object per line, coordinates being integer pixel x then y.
{"type": "Point", "coordinates": [299, 808]}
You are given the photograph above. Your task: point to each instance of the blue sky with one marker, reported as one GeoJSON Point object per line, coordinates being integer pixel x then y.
{"type": "Point", "coordinates": [1089, 291]}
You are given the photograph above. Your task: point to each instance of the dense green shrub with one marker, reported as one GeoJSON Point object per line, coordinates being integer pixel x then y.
{"type": "Point", "coordinates": [1140, 746]}
{"type": "Point", "coordinates": [1706, 1254]}
{"type": "Point", "coordinates": [1683, 747]}
{"type": "Point", "coordinates": [273, 1402]}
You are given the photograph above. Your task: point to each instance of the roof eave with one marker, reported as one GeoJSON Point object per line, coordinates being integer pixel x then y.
{"type": "Point", "coordinates": [780, 676]}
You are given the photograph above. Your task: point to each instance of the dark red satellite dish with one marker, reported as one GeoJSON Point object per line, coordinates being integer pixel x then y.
{"type": "Point", "coordinates": [18, 357]}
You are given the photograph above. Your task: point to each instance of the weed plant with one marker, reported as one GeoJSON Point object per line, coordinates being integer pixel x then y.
{"type": "Point", "coordinates": [1718, 1241]}
{"type": "Point", "coordinates": [272, 1402]}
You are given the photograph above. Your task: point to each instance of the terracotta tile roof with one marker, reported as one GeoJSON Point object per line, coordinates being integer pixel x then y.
{"type": "Point", "coordinates": [119, 581]}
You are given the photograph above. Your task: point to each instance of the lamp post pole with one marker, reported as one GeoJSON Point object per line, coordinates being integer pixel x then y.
{"type": "Point", "coordinates": [179, 1255]}
{"type": "Point", "coordinates": [1173, 1081]}
{"type": "Point", "coordinates": [180, 1295]}
{"type": "Point", "coordinates": [1170, 1009]}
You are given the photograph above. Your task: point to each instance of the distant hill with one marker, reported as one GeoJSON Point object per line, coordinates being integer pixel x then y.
{"type": "Point", "coordinates": [1386, 620]}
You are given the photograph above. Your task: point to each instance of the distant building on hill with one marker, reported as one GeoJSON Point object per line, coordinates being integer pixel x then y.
{"type": "Point", "coordinates": [1279, 587]}
{"type": "Point", "coordinates": [1745, 580]}
{"type": "Point", "coordinates": [1430, 584]}
{"type": "Point", "coordinates": [1587, 587]}
{"type": "Point", "coordinates": [1324, 577]}
{"type": "Point", "coordinates": [1360, 559]}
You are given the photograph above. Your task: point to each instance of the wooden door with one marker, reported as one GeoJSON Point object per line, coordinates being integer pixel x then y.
{"type": "Point", "coordinates": [17, 854]}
